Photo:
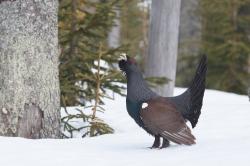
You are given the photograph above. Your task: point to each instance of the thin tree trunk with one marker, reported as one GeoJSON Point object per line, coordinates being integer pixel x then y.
{"type": "Point", "coordinates": [145, 29]}
{"type": "Point", "coordinates": [29, 84]}
{"type": "Point", "coordinates": [163, 42]}
{"type": "Point", "coordinates": [114, 34]}
{"type": "Point", "coordinates": [190, 28]}
{"type": "Point", "coordinates": [249, 78]}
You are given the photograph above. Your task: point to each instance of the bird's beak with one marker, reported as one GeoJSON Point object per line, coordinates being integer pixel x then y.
{"type": "Point", "coordinates": [123, 56]}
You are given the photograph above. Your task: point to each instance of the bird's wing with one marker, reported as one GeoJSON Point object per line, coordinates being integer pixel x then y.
{"type": "Point", "coordinates": [163, 119]}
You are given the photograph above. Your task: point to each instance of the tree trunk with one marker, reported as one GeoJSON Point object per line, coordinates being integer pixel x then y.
{"type": "Point", "coordinates": [163, 43]}
{"type": "Point", "coordinates": [249, 78]}
{"type": "Point", "coordinates": [190, 28]}
{"type": "Point", "coordinates": [29, 84]}
{"type": "Point", "coordinates": [114, 34]}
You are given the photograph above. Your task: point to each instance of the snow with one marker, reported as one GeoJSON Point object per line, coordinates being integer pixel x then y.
{"type": "Point", "coordinates": [223, 138]}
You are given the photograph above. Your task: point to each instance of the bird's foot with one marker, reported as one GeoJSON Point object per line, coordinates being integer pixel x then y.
{"type": "Point", "coordinates": [154, 147]}
{"type": "Point", "coordinates": [156, 143]}
{"type": "Point", "coordinates": [165, 143]}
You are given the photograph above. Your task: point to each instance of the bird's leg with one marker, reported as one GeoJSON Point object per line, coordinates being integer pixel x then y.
{"type": "Point", "coordinates": [165, 143]}
{"type": "Point", "coordinates": [156, 142]}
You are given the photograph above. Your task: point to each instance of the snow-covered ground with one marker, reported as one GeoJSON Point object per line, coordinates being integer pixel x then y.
{"type": "Point", "coordinates": [223, 138]}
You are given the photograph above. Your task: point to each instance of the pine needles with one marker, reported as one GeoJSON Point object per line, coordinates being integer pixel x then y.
{"type": "Point", "coordinates": [87, 70]}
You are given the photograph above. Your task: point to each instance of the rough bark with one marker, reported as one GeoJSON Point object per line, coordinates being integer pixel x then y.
{"type": "Point", "coordinates": [29, 84]}
{"type": "Point", "coordinates": [163, 42]}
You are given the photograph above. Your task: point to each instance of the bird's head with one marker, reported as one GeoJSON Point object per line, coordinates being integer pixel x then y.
{"type": "Point", "coordinates": [128, 65]}
{"type": "Point", "coordinates": [137, 88]}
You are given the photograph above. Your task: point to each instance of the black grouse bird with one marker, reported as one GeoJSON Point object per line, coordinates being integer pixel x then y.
{"type": "Point", "coordinates": [164, 116]}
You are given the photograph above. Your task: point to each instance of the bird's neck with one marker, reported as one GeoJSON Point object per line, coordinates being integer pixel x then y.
{"type": "Point", "coordinates": [138, 90]}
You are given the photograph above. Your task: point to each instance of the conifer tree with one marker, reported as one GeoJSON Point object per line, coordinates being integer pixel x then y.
{"type": "Point", "coordinates": [85, 76]}
{"type": "Point", "coordinates": [225, 39]}
{"type": "Point", "coordinates": [83, 24]}
{"type": "Point", "coordinates": [134, 21]}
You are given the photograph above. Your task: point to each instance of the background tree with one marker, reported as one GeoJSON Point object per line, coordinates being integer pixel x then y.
{"type": "Point", "coordinates": [225, 39]}
{"type": "Point", "coordinates": [114, 40]}
{"type": "Point", "coordinates": [189, 42]}
{"type": "Point", "coordinates": [83, 25]}
{"type": "Point", "coordinates": [163, 43]}
{"type": "Point", "coordinates": [132, 27]}
{"type": "Point", "coordinates": [29, 84]}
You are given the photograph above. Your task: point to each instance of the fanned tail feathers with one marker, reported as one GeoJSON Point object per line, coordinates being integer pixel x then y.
{"type": "Point", "coordinates": [190, 102]}
{"type": "Point", "coordinates": [196, 91]}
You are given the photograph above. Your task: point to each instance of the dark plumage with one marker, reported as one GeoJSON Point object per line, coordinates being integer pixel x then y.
{"type": "Point", "coordinates": [164, 116]}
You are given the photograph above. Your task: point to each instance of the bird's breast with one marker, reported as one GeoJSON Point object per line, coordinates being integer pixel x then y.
{"type": "Point", "coordinates": [133, 109]}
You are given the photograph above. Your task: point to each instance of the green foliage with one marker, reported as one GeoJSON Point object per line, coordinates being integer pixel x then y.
{"type": "Point", "coordinates": [156, 81]}
{"type": "Point", "coordinates": [88, 127]}
{"type": "Point", "coordinates": [69, 128]}
{"type": "Point", "coordinates": [134, 28]}
{"type": "Point", "coordinates": [225, 39]}
{"type": "Point", "coordinates": [129, 18]}
{"type": "Point", "coordinates": [83, 25]}
{"type": "Point", "coordinates": [186, 69]}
